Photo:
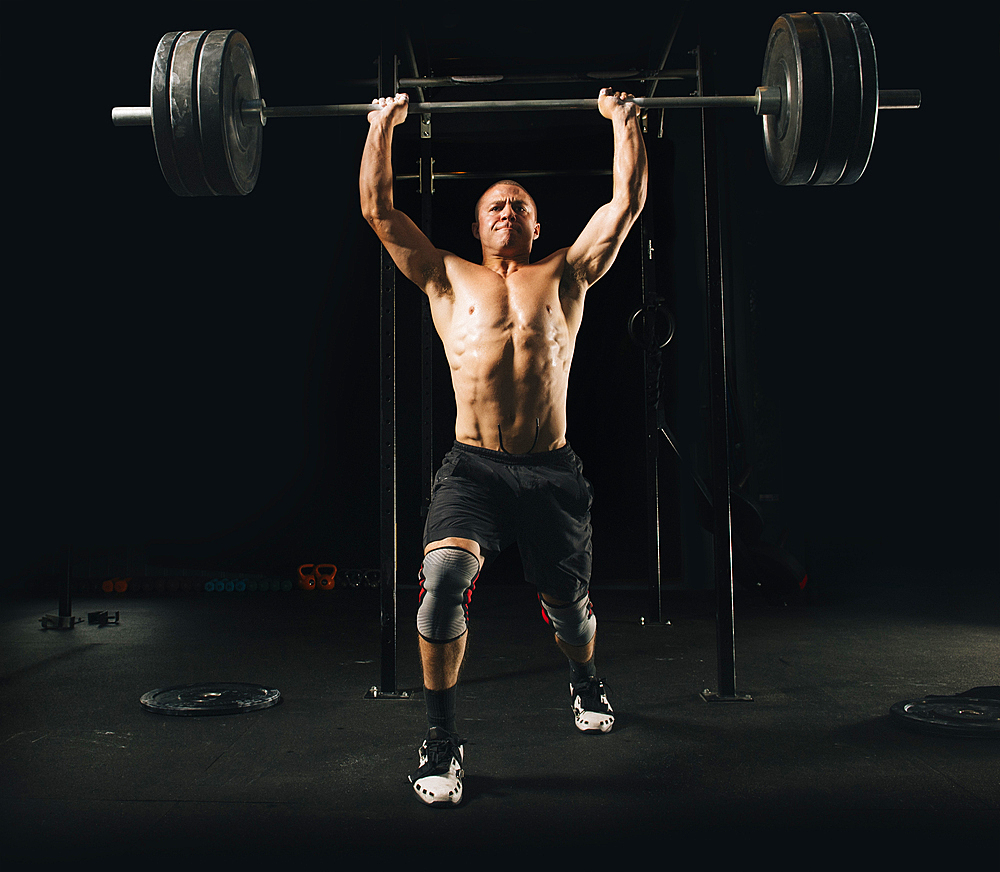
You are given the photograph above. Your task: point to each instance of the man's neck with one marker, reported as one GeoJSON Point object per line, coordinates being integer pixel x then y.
{"type": "Point", "coordinates": [503, 264]}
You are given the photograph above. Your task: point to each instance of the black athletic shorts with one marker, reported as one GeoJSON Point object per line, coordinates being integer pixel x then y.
{"type": "Point", "coordinates": [541, 501]}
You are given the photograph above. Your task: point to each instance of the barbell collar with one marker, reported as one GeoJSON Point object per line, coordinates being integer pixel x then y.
{"type": "Point", "coordinates": [769, 101]}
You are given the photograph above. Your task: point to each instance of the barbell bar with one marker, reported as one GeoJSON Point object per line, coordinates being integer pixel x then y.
{"type": "Point", "coordinates": [819, 101]}
{"type": "Point", "coordinates": [766, 101]}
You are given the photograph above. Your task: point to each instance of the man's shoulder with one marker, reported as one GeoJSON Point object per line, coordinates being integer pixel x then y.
{"type": "Point", "coordinates": [557, 258]}
{"type": "Point", "coordinates": [554, 264]}
{"type": "Point", "coordinates": [457, 267]}
{"type": "Point", "coordinates": [455, 273]}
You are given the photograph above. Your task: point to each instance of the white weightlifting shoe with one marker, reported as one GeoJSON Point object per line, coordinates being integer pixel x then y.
{"type": "Point", "coordinates": [591, 709]}
{"type": "Point", "coordinates": [438, 780]}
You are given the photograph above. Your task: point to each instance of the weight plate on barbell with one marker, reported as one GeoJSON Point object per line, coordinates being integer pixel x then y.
{"type": "Point", "coordinates": [845, 109]}
{"type": "Point", "coordinates": [796, 64]}
{"type": "Point", "coordinates": [159, 102]}
{"type": "Point", "coordinates": [231, 148]}
{"type": "Point", "coordinates": [869, 100]}
{"type": "Point", "coordinates": [184, 120]}
{"type": "Point", "coordinates": [216, 698]}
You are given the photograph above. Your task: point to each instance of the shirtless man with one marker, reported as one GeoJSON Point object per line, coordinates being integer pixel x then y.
{"type": "Point", "coordinates": [509, 329]}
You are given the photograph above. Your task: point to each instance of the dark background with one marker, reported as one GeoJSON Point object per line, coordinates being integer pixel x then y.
{"type": "Point", "coordinates": [195, 381]}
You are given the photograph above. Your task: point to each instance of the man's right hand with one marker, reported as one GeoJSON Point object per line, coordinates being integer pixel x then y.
{"type": "Point", "coordinates": [392, 108]}
{"type": "Point", "coordinates": [611, 103]}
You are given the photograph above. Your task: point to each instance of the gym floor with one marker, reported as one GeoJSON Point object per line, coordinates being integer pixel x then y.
{"type": "Point", "coordinates": [812, 774]}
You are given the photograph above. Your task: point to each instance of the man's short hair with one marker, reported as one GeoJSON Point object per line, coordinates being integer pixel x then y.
{"type": "Point", "coordinates": [475, 209]}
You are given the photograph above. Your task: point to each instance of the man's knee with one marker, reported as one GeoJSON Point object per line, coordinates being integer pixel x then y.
{"type": "Point", "coordinates": [573, 623]}
{"type": "Point", "coordinates": [447, 578]}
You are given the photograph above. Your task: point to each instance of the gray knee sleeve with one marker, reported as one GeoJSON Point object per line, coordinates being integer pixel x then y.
{"type": "Point", "coordinates": [574, 624]}
{"type": "Point", "coordinates": [447, 579]}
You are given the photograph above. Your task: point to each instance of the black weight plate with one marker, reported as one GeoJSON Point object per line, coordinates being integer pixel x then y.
{"type": "Point", "coordinates": [747, 520]}
{"type": "Point", "coordinates": [845, 112]}
{"type": "Point", "coordinates": [231, 148]}
{"type": "Point", "coordinates": [183, 97]}
{"type": "Point", "coordinates": [159, 102]}
{"type": "Point", "coordinates": [216, 698]}
{"type": "Point", "coordinates": [869, 100]}
{"type": "Point", "coordinates": [962, 717]}
{"type": "Point", "coordinates": [778, 573]}
{"type": "Point", "coordinates": [795, 63]}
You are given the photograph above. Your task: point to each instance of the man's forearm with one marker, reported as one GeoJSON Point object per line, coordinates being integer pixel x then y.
{"type": "Point", "coordinates": [629, 169]}
{"type": "Point", "coordinates": [376, 172]}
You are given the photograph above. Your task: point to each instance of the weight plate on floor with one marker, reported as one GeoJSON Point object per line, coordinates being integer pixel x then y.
{"type": "Point", "coordinates": [216, 698]}
{"type": "Point", "coordinates": [958, 716]}
{"type": "Point", "coordinates": [746, 518]}
{"type": "Point", "coordinates": [869, 100]}
{"type": "Point", "coordinates": [230, 142]}
{"type": "Point", "coordinates": [796, 64]}
{"type": "Point", "coordinates": [775, 573]}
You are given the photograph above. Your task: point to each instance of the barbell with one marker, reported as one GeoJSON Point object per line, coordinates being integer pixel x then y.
{"type": "Point", "coordinates": [819, 100]}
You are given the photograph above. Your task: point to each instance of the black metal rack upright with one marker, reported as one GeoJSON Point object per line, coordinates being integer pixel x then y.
{"type": "Point", "coordinates": [388, 457]}
{"type": "Point", "coordinates": [721, 483]}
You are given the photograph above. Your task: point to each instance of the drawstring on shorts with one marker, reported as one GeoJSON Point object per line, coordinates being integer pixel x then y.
{"type": "Point", "coordinates": [533, 444]}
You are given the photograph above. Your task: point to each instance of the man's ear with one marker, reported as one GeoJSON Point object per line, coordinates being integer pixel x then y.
{"type": "Point", "coordinates": [538, 231]}
{"type": "Point", "coordinates": [475, 229]}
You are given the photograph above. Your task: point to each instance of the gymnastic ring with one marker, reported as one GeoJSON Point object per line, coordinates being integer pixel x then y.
{"type": "Point", "coordinates": [648, 342]}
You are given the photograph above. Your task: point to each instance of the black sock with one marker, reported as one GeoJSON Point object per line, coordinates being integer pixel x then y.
{"type": "Point", "coordinates": [441, 708]}
{"type": "Point", "coordinates": [581, 671]}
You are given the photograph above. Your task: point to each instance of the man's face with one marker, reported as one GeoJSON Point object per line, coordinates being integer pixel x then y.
{"type": "Point", "coordinates": [506, 220]}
